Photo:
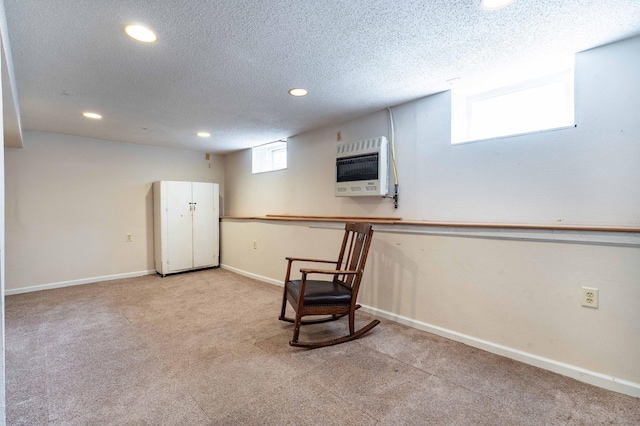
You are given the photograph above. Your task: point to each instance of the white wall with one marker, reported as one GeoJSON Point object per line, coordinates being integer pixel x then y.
{"type": "Point", "coordinates": [2, 243]}
{"type": "Point", "coordinates": [585, 175]}
{"type": "Point", "coordinates": [71, 201]}
{"type": "Point", "coordinates": [521, 296]}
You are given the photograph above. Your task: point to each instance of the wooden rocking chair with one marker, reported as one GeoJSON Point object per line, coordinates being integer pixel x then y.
{"type": "Point", "coordinates": [337, 297]}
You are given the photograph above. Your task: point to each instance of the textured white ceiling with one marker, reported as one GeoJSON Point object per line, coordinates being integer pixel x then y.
{"type": "Point", "coordinates": [225, 66]}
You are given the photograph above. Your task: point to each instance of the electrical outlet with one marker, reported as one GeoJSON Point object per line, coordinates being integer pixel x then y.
{"type": "Point", "coordinates": [590, 297]}
{"type": "Point", "coordinates": [129, 238]}
{"type": "Point", "coordinates": [255, 244]}
{"type": "Point", "coordinates": [339, 136]}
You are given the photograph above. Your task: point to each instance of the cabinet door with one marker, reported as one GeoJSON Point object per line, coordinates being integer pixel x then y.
{"type": "Point", "coordinates": [179, 226]}
{"type": "Point", "coordinates": [205, 222]}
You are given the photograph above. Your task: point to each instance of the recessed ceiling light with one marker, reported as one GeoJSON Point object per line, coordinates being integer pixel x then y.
{"type": "Point", "coordinates": [494, 4]}
{"type": "Point", "coordinates": [140, 33]}
{"type": "Point", "coordinates": [298, 92]}
{"type": "Point", "coordinates": [92, 115]}
{"type": "Point", "coordinates": [204, 134]}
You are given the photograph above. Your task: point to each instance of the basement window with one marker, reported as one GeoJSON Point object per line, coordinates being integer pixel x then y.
{"type": "Point", "coordinates": [269, 157]}
{"type": "Point", "coordinates": [539, 104]}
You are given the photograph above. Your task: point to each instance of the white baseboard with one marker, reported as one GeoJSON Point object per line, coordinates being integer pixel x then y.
{"type": "Point", "coordinates": [250, 275]}
{"type": "Point", "coordinates": [9, 292]}
{"type": "Point", "coordinates": [591, 377]}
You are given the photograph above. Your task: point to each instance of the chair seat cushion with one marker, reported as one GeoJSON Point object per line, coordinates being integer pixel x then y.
{"type": "Point", "coordinates": [317, 292]}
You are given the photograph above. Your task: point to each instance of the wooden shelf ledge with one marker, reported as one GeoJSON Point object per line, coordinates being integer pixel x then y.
{"type": "Point", "coordinates": [400, 222]}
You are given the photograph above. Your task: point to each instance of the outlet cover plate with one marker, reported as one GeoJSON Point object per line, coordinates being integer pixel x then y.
{"type": "Point", "coordinates": [590, 297]}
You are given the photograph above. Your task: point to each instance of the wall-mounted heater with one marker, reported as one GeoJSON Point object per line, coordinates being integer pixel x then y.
{"type": "Point", "coordinates": [362, 168]}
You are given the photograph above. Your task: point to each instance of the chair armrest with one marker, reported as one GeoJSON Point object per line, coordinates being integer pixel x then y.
{"type": "Point", "coordinates": [300, 259]}
{"type": "Point", "coordinates": [290, 261]}
{"type": "Point", "coordinates": [327, 271]}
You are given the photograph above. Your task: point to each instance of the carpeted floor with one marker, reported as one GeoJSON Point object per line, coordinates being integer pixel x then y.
{"type": "Point", "coordinates": [206, 348]}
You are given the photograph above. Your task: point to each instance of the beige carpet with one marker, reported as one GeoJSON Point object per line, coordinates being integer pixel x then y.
{"type": "Point", "coordinates": [206, 348]}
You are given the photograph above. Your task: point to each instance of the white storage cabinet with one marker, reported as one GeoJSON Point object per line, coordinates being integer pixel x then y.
{"type": "Point", "coordinates": [186, 226]}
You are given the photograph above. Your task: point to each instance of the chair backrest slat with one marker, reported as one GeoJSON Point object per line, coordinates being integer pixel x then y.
{"type": "Point", "coordinates": [357, 238]}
